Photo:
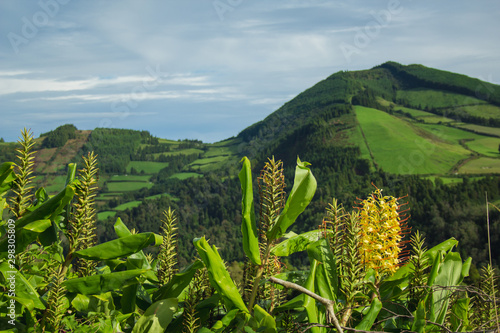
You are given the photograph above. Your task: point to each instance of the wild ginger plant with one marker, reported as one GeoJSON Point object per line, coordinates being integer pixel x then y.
{"type": "Point", "coordinates": [23, 172]}
{"type": "Point", "coordinates": [167, 257]}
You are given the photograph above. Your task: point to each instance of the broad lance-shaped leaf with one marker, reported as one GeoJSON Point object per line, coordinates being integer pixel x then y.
{"type": "Point", "coordinates": [460, 314]}
{"type": "Point", "coordinates": [6, 176]}
{"type": "Point", "coordinates": [248, 226]}
{"type": "Point", "coordinates": [450, 274]}
{"type": "Point", "coordinates": [309, 303]}
{"type": "Point", "coordinates": [296, 243]}
{"type": "Point", "coordinates": [70, 177]}
{"type": "Point", "coordinates": [98, 284]}
{"type": "Point", "coordinates": [304, 187]}
{"type": "Point", "coordinates": [38, 226]}
{"type": "Point", "coordinates": [157, 317]}
{"type": "Point", "coordinates": [25, 293]}
{"type": "Point", "coordinates": [47, 211]}
{"type": "Point", "coordinates": [137, 260]}
{"type": "Point", "coordinates": [326, 279]}
{"type": "Point", "coordinates": [178, 283]}
{"type": "Point", "coordinates": [120, 247]}
{"type": "Point", "coordinates": [264, 320]}
{"type": "Point", "coordinates": [219, 276]}
{"type": "Point", "coordinates": [371, 316]}
{"type": "Point", "coordinates": [431, 254]}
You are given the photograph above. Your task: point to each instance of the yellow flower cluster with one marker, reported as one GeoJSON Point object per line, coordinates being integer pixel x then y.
{"type": "Point", "coordinates": [381, 233]}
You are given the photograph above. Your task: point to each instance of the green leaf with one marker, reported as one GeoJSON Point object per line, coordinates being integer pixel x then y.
{"type": "Point", "coordinates": [371, 316]}
{"type": "Point", "coordinates": [459, 318]}
{"type": "Point", "coordinates": [304, 187]}
{"type": "Point", "coordinates": [81, 303]}
{"type": "Point", "coordinates": [264, 320]}
{"type": "Point", "coordinates": [450, 274]}
{"type": "Point", "coordinates": [248, 226]}
{"type": "Point", "coordinates": [70, 176]}
{"type": "Point", "coordinates": [326, 279]}
{"type": "Point", "coordinates": [419, 322]}
{"type": "Point", "coordinates": [218, 275]}
{"type": "Point", "coordinates": [445, 246]}
{"type": "Point", "coordinates": [157, 316]}
{"type": "Point", "coordinates": [98, 284]}
{"type": "Point", "coordinates": [49, 209]}
{"type": "Point", "coordinates": [225, 321]}
{"type": "Point", "coordinates": [137, 260]}
{"type": "Point", "coordinates": [309, 302]}
{"type": "Point", "coordinates": [120, 247]}
{"type": "Point", "coordinates": [24, 291]}
{"type": "Point", "coordinates": [431, 254]}
{"type": "Point", "coordinates": [295, 243]}
{"type": "Point", "coordinates": [121, 229]}
{"type": "Point", "coordinates": [38, 226]}
{"type": "Point", "coordinates": [178, 283]}
{"type": "Point", "coordinates": [6, 176]}
{"type": "Point", "coordinates": [128, 299]}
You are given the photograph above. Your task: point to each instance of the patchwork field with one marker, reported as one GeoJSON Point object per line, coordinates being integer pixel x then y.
{"type": "Point", "coordinates": [146, 166]}
{"type": "Point", "coordinates": [128, 205]}
{"type": "Point", "coordinates": [478, 143]}
{"type": "Point", "coordinates": [400, 147]}
{"type": "Point", "coordinates": [185, 175]}
{"type": "Point", "coordinates": [481, 129]}
{"type": "Point", "coordinates": [481, 165]}
{"type": "Point", "coordinates": [127, 186]}
{"type": "Point", "coordinates": [129, 178]}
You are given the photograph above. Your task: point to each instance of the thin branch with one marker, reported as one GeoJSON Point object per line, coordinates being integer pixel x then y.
{"type": "Point", "coordinates": [330, 312]}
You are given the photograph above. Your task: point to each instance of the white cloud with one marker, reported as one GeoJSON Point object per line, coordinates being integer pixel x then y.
{"type": "Point", "coordinates": [262, 54]}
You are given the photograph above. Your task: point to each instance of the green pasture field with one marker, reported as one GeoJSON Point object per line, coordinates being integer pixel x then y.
{"type": "Point", "coordinates": [146, 166]}
{"type": "Point", "coordinates": [414, 112]}
{"type": "Point", "coordinates": [357, 138]}
{"type": "Point", "coordinates": [103, 216]}
{"type": "Point", "coordinates": [446, 180]}
{"type": "Point", "coordinates": [435, 119]}
{"type": "Point", "coordinates": [424, 116]}
{"type": "Point", "coordinates": [128, 205]}
{"type": "Point", "coordinates": [486, 145]}
{"type": "Point", "coordinates": [209, 164]}
{"type": "Point", "coordinates": [481, 144]}
{"type": "Point", "coordinates": [156, 196]}
{"type": "Point", "coordinates": [436, 99]}
{"type": "Point", "coordinates": [57, 183]}
{"type": "Point", "coordinates": [483, 110]}
{"type": "Point", "coordinates": [127, 186]}
{"type": "Point", "coordinates": [185, 175]}
{"type": "Point", "coordinates": [188, 151]}
{"type": "Point", "coordinates": [129, 178]}
{"type": "Point", "coordinates": [481, 129]}
{"type": "Point", "coordinates": [401, 148]}
{"type": "Point", "coordinates": [481, 165]}
{"type": "Point", "coordinates": [221, 151]}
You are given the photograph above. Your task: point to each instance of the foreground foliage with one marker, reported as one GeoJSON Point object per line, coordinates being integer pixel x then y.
{"type": "Point", "coordinates": [55, 277]}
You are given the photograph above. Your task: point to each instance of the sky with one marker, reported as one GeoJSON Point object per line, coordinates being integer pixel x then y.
{"type": "Point", "coordinates": [207, 69]}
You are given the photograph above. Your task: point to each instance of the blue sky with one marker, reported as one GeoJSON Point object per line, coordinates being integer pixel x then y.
{"type": "Point", "coordinates": [206, 69]}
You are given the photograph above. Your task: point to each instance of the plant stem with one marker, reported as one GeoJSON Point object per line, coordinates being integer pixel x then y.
{"type": "Point", "coordinates": [258, 277]}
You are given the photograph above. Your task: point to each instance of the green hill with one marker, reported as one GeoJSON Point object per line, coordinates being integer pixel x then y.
{"type": "Point", "coordinates": [429, 134]}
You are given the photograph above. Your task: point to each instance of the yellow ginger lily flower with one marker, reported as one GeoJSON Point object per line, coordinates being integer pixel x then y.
{"type": "Point", "coordinates": [382, 227]}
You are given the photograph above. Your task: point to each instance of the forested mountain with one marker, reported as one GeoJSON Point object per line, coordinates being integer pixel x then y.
{"type": "Point", "coordinates": [426, 135]}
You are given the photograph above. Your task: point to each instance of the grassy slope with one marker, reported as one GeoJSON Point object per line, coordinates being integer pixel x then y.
{"type": "Point", "coordinates": [399, 147]}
